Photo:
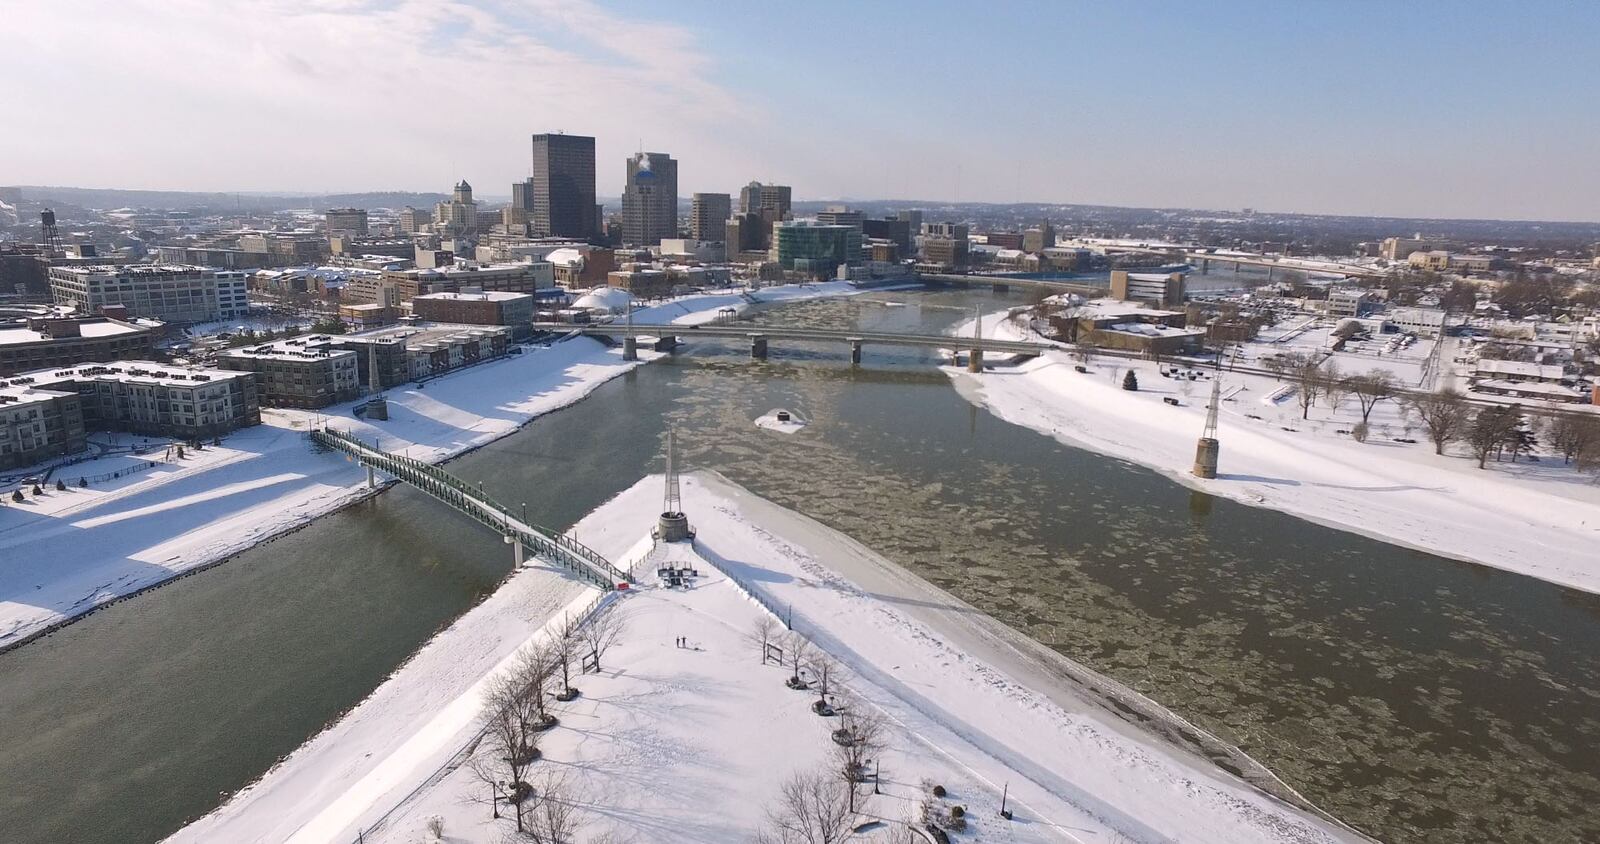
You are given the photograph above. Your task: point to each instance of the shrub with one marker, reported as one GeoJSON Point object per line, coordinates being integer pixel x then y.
{"type": "Point", "coordinates": [1359, 432]}
{"type": "Point", "coordinates": [16, 495]}
{"type": "Point", "coordinates": [61, 485]}
{"type": "Point", "coordinates": [938, 791]}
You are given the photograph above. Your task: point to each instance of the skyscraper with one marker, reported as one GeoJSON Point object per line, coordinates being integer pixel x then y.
{"type": "Point", "coordinates": [708, 217]}
{"type": "Point", "coordinates": [770, 201]}
{"type": "Point", "coordinates": [563, 203]}
{"type": "Point", "coordinates": [650, 200]}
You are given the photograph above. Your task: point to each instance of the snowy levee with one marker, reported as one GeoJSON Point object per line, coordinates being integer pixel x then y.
{"type": "Point", "coordinates": [688, 731]}
{"type": "Point", "coordinates": [1536, 520]}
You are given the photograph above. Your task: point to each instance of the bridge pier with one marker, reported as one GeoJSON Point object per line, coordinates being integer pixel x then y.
{"type": "Point", "coordinates": [372, 478]}
{"type": "Point", "coordinates": [1205, 266]}
{"type": "Point", "coordinates": [975, 360]}
{"type": "Point", "coordinates": [855, 351]}
{"type": "Point", "coordinates": [630, 348]}
{"type": "Point", "coordinates": [1269, 274]}
{"type": "Point", "coordinates": [517, 551]}
{"type": "Point", "coordinates": [758, 346]}
{"type": "Point", "coordinates": [668, 343]}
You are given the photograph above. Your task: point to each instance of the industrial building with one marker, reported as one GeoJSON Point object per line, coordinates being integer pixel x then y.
{"type": "Point", "coordinates": [165, 292]}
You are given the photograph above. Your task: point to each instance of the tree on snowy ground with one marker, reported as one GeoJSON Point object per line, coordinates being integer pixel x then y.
{"type": "Point", "coordinates": [1375, 386]}
{"type": "Point", "coordinates": [798, 652]}
{"type": "Point", "coordinates": [812, 808]}
{"type": "Point", "coordinates": [508, 748]}
{"type": "Point", "coordinates": [762, 632]}
{"type": "Point", "coordinates": [861, 737]}
{"type": "Point", "coordinates": [823, 668]}
{"type": "Point", "coordinates": [602, 631]}
{"type": "Point", "coordinates": [534, 670]}
{"type": "Point", "coordinates": [1576, 436]}
{"type": "Point", "coordinates": [553, 816]}
{"type": "Point", "coordinates": [1490, 430]}
{"type": "Point", "coordinates": [563, 651]}
{"type": "Point", "coordinates": [1444, 413]}
{"type": "Point", "coordinates": [1310, 378]}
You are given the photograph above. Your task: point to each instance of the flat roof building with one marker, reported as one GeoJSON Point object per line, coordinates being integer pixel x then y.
{"type": "Point", "coordinates": [814, 248]}
{"type": "Point", "coordinates": [171, 293]}
{"type": "Point", "coordinates": [146, 397]}
{"type": "Point", "coordinates": [1161, 289]}
{"type": "Point", "coordinates": [560, 197]}
{"type": "Point", "coordinates": [708, 215]}
{"type": "Point", "coordinates": [304, 372]}
{"type": "Point", "coordinates": [50, 341]}
{"type": "Point", "coordinates": [475, 308]}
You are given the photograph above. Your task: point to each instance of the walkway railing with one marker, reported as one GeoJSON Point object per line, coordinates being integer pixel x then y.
{"type": "Point", "coordinates": [560, 548]}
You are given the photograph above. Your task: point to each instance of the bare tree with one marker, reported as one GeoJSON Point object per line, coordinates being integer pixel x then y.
{"type": "Point", "coordinates": [861, 736]}
{"type": "Point", "coordinates": [1576, 436]}
{"type": "Point", "coordinates": [1310, 377]}
{"type": "Point", "coordinates": [1370, 388]}
{"type": "Point", "coordinates": [797, 650]}
{"type": "Point", "coordinates": [533, 671]}
{"type": "Point", "coordinates": [812, 808]}
{"type": "Point", "coordinates": [602, 631]}
{"type": "Point", "coordinates": [553, 816]}
{"type": "Point", "coordinates": [823, 669]}
{"type": "Point", "coordinates": [1492, 429]}
{"type": "Point", "coordinates": [563, 652]}
{"type": "Point", "coordinates": [762, 632]}
{"type": "Point", "coordinates": [509, 747]}
{"type": "Point", "coordinates": [1443, 413]}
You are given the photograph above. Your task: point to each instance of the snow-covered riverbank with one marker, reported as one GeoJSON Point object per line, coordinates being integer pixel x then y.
{"type": "Point", "coordinates": [692, 743]}
{"type": "Point", "coordinates": [65, 553]}
{"type": "Point", "coordinates": [1538, 519]}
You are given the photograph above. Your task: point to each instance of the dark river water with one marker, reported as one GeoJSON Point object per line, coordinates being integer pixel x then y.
{"type": "Point", "coordinates": [1418, 698]}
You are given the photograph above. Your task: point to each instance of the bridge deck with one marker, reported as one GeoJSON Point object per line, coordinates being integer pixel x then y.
{"type": "Point", "coordinates": [940, 341]}
{"type": "Point", "coordinates": [561, 549]}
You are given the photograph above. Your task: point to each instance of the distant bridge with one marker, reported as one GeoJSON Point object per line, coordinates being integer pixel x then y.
{"type": "Point", "coordinates": [760, 335]}
{"type": "Point", "coordinates": [563, 550]}
{"type": "Point", "coordinates": [1202, 259]}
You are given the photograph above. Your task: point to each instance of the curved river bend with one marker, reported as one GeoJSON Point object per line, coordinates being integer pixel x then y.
{"type": "Point", "coordinates": [1418, 698]}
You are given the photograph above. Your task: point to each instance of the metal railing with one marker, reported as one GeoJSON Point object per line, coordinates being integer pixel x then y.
{"type": "Point", "coordinates": [473, 501]}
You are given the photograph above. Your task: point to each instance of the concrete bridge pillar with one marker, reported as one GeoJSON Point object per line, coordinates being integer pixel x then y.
{"type": "Point", "coordinates": [758, 346]}
{"type": "Point", "coordinates": [667, 344]}
{"type": "Point", "coordinates": [1269, 274]}
{"type": "Point", "coordinates": [372, 478]}
{"type": "Point", "coordinates": [855, 351]}
{"type": "Point", "coordinates": [630, 348]}
{"type": "Point", "coordinates": [1205, 266]}
{"type": "Point", "coordinates": [517, 550]}
{"type": "Point", "coordinates": [955, 357]}
{"type": "Point", "coordinates": [975, 360]}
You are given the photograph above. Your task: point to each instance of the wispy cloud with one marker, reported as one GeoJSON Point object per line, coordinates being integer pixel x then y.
{"type": "Point", "coordinates": [337, 94]}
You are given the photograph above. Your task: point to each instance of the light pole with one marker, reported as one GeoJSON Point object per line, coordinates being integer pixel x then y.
{"type": "Point", "coordinates": [494, 799]}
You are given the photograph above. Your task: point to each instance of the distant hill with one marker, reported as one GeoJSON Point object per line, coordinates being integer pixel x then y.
{"type": "Point", "coordinates": [107, 198]}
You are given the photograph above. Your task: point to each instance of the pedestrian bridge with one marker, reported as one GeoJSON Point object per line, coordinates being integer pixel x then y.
{"type": "Point", "coordinates": [560, 549]}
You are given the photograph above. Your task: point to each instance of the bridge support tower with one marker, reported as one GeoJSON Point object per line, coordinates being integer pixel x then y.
{"type": "Point", "coordinates": [630, 348]}
{"type": "Point", "coordinates": [975, 360]}
{"type": "Point", "coordinates": [758, 346]}
{"type": "Point", "coordinates": [855, 351]}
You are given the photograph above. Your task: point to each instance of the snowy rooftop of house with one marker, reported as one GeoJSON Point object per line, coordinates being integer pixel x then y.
{"type": "Point", "coordinates": [1521, 369]}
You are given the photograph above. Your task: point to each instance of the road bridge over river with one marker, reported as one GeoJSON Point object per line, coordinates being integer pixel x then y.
{"type": "Point", "coordinates": [761, 335]}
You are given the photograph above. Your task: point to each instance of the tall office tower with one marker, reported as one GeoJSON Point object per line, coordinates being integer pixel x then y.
{"type": "Point", "coordinates": [709, 215]}
{"type": "Point", "coordinates": [522, 194]}
{"type": "Point", "coordinates": [650, 200]}
{"type": "Point", "coordinates": [770, 201]}
{"type": "Point", "coordinates": [563, 203]}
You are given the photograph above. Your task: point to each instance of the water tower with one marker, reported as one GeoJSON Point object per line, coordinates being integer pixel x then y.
{"type": "Point", "coordinates": [47, 225]}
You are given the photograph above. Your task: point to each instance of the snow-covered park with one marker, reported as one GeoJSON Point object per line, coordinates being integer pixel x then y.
{"type": "Point", "coordinates": [1541, 519]}
{"type": "Point", "coordinates": [686, 733]}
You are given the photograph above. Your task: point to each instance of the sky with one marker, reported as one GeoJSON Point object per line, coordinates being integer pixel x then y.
{"type": "Point", "coordinates": [1429, 108]}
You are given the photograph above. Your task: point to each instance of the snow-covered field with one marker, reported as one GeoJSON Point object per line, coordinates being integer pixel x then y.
{"type": "Point", "coordinates": [1540, 519]}
{"type": "Point", "coordinates": [65, 553]}
{"type": "Point", "coordinates": [691, 743]}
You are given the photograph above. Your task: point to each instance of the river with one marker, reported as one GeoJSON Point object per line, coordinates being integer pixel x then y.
{"type": "Point", "coordinates": [1418, 698]}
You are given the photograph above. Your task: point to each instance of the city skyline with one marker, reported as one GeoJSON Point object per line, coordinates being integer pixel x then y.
{"type": "Point", "coordinates": [1310, 110]}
